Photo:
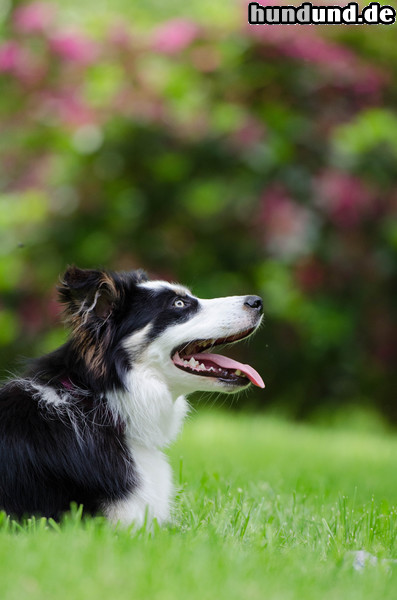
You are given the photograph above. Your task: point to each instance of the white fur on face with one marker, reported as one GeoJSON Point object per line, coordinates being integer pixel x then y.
{"type": "Point", "coordinates": [216, 318]}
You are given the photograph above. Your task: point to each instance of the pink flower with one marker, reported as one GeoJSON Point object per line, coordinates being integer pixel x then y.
{"type": "Point", "coordinates": [34, 174]}
{"type": "Point", "coordinates": [35, 17]}
{"type": "Point", "coordinates": [66, 108]}
{"type": "Point", "coordinates": [318, 51]}
{"type": "Point", "coordinates": [31, 314]}
{"type": "Point", "coordinates": [11, 55]}
{"type": "Point", "coordinates": [119, 34]}
{"type": "Point", "coordinates": [310, 274]}
{"type": "Point", "coordinates": [289, 229]}
{"type": "Point", "coordinates": [250, 133]}
{"type": "Point", "coordinates": [174, 36]}
{"type": "Point", "coordinates": [22, 65]}
{"type": "Point", "coordinates": [303, 43]}
{"type": "Point", "coordinates": [344, 198]}
{"type": "Point", "coordinates": [74, 47]}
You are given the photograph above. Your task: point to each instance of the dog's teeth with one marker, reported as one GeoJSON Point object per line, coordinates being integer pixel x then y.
{"type": "Point", "coordinates": [238, 372]}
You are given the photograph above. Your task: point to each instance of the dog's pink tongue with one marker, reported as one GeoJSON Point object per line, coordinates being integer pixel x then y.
{"type": "Point", "coordinates": [228, 363]}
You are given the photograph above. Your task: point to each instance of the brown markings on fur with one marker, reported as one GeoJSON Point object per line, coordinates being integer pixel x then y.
{"type": "Point", "coordinates": [95, 361]}
{"type": "Point", "coordinates": [91, 345]}
{"type": "Point", "coordinates": [108, 282]}
{"type": "Point", "coordinates": [89, 332]}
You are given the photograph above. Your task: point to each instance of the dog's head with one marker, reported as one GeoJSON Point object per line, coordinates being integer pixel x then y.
{"type": "Point", "coordinates": [122, 321]}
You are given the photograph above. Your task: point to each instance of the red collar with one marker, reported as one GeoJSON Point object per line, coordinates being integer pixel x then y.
{"type": "Point", "coordinates": [67, 383]}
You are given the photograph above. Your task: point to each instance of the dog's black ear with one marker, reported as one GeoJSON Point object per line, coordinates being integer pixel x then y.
{"type": "Point", "coordinates": [85, 291]}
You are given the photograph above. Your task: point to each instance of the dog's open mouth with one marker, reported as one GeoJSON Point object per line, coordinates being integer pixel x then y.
{"type": "Point", "coordinates": [192, 358]}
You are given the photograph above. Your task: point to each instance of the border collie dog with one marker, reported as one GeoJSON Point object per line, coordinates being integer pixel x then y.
{"type": "Point", "coordinates": [88, 422]}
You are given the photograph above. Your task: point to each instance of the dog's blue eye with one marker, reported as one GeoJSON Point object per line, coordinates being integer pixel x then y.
{"type": "Point", "coordinates": [178, 303]}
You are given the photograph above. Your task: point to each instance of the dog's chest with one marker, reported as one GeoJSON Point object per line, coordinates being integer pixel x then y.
{"type": "Point", "coordinates": [153, 494]}
{"type": "Point", "coordinates": [151, 498]}
{"type": "Point", "coordinates": [152, 416]}
{"type": "Point", "coordinates": [152, 422]}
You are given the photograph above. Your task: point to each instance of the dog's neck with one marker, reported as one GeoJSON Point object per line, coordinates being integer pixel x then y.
{"type": "Point", "coordinates": [152, 413]}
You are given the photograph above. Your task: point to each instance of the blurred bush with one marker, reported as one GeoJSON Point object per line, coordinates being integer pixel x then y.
{"type": "Point", "coordinates": [237, 161]}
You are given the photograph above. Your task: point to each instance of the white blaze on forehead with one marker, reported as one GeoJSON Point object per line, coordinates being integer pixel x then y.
{"type": "Point", "coordinates": [180, 290]}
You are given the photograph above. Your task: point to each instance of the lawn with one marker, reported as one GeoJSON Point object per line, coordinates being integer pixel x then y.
{"type": "Point", "coordinates": [265, 509]}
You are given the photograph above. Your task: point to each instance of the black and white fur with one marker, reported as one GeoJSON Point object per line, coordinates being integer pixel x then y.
{"type": "Point", "coordinates": [88, 423]}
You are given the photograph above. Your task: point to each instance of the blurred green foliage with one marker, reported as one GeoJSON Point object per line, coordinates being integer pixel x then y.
{"type": "Point", "coordinates": [235, 159]}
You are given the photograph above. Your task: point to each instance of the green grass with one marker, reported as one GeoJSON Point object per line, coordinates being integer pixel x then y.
{"type": "Point", "coordinates": [266, 509]}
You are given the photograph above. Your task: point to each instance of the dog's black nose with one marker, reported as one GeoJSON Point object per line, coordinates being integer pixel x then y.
{"type": "Point", "coordinates": [254, 302]}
